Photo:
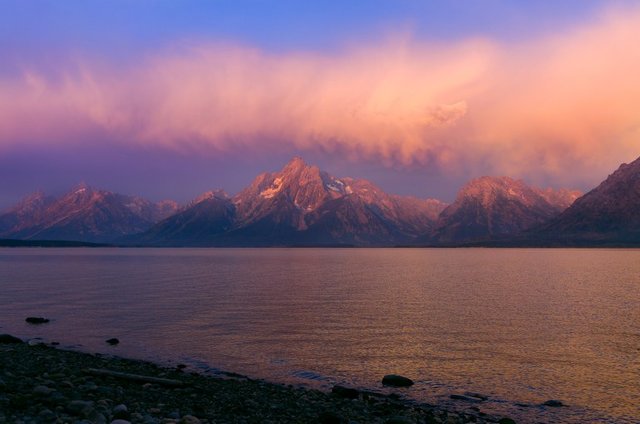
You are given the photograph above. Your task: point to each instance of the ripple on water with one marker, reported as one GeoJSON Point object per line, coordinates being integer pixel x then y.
{"type": "Point", "coordinates": [520, 325]}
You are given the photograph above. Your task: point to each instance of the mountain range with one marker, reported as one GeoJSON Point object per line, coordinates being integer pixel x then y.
{"type": "Point", "coordinates": [497, 207]}
{"type": "Point", "coordinates": [300, 205]}
{"type": "Point", "coordinates": [83, 214]}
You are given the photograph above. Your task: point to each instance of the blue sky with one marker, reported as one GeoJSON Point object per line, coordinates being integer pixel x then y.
{"type": "Point", "coordinates": [121, 27]}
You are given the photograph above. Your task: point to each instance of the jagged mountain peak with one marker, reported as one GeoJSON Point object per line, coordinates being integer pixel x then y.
{"type": "Point", "coordinates": [487, 189]}
{"type": "Point", "coordinates": [30, 208]}
{"type": "Point", "coordinates": [85, 193]}
{"type": "Point", "coordinates": [295, 164]}
{"type": "Point", "coordinates": [303, 186]}
{"type": "Point", "coordinates": [83, 187]}
{"type": "Point", "coordinates": [299, 203]}
{"type": "Point", "coordinates": [212, 194]}
{"type": "Point", "coordinates": [488, 207]}
{"type": "Point", "coordinates": [488, 185]}
{"type": "Point", "coordinates": [33, 200]}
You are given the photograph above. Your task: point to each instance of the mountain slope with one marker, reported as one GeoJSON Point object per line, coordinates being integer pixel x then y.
{"type": "Point", "coordinates": [610, 213]}
{"type": "Point", "coordinates": [490, 207]}
{"type": "Point", "coordinates": [87, 214]}
{"type": "Point", "coordinates": [301, 205]}
{"type": "Point", "coordinates": [29, 209]}
{"type": "Point", "coordinates": [209, 215]}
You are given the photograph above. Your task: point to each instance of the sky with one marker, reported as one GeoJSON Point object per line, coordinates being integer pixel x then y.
{"type": "Point", "coordinates": [168, 99]}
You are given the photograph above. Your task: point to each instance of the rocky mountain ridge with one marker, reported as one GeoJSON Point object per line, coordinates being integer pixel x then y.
{"type": "Point", "coordinates": [490, 207]}
{"type": "Point", "coordinates": [301, 205]}
{"type": "Point", "coordinates": [82, 214]}
{"type": "Point", "coordinates": [607, 215]}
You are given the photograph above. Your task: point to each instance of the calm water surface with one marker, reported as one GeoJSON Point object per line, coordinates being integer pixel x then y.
{"type": "Point", "coordinates": [522, 326]}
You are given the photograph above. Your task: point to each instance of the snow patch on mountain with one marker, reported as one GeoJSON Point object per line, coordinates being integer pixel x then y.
{"type": "Point", "coordinates": [272, 190]}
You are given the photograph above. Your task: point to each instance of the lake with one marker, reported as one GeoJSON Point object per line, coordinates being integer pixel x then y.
{"type": "Point", "coordinates": [521, 326]}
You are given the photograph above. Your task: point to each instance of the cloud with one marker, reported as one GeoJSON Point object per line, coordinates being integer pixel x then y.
{"type": "Point", "coordinates": [561, 106]}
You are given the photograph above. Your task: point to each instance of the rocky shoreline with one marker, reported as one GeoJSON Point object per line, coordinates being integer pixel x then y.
{"type": "Point", "coordinates": [40, 383]}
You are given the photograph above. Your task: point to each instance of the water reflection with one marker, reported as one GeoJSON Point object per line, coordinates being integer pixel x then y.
{"type": "Point", "coordinates": [522, 326]}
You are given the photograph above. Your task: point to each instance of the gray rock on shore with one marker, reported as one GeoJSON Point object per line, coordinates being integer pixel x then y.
{"type": "Point", "coordinates": [120, 411]}
{"type": "Point", "coordinates": [396, 381]}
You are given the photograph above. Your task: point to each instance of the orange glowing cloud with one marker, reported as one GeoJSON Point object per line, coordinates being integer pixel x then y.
{"type": "Point", "coordinates": [557, 106]}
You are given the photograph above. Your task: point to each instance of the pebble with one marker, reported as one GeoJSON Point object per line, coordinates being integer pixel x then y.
{"type": "Point", "coordinates": [136, 417]}
{"type": "Point", "coordinates": [80, 407]}
{"type": "Point", "coordinates": [120, 422]}
{"type": "Point", "coordinates": [47, 415]}
{"type": "Point", "coordinates": [89, 386]}
{"type": "Point", "coordinates": [113, 341]}
{"type": "Point", "coordinates": [97, 418]}
{"type": "Point", "coordinates": [120, 411]}
{"type": "Point", "coordinates": [42, 391]}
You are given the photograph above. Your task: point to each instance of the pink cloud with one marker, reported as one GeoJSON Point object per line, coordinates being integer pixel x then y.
{"type": "Point", "coordinates": [562, 106]}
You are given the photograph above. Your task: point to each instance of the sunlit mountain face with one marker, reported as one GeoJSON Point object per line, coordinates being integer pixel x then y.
{"type": "Point", "coordinates": [299, 205]}
{"type": "Point", "coordinates": [488, 207]}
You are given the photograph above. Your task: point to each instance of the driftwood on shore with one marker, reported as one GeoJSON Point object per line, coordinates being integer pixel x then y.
{"type": "Point", "coordinates": [134, 377]}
